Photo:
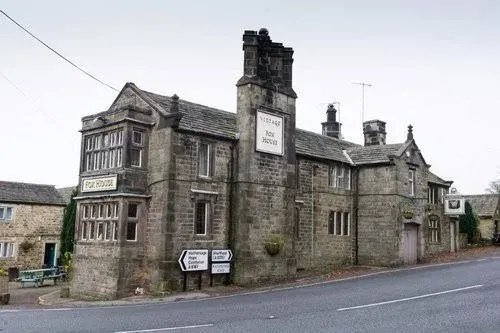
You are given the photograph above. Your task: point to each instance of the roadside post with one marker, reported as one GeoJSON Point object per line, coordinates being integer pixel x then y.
{"type": "Point", "coordinates": [193, 260]}
{"type": "Point", "coordinates": [220, 263]}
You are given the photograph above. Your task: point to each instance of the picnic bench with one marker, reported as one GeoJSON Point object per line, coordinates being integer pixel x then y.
{"type": "Point", "coordinates": [38, 276]}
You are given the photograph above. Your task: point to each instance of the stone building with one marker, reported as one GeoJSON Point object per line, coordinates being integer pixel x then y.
{"type": "Point", "coordinates": [159, 174]}
{"type": "Point", "coordinates": [487, 209]}
{"type": "Point", "coordinates": [30, 225]}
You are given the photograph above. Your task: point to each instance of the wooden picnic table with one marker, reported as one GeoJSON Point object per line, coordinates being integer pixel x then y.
{"type": "Point", "coordinates": [38, 276]}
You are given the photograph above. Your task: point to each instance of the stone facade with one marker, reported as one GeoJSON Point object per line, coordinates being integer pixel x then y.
{"type": "Point", "coordinates": [159, 175]}
{"type": "Point", "coordinates": [30, 225]}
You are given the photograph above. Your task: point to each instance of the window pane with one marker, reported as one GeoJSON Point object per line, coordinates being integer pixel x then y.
{"type": "Point", "coordinates": [92, 230]}
{"type": "Point", "coordinates": [131, 230]}
{"type": "Point", "coordinates": [107, 231]}
{"type": "Point", "coordinates": [132, 210]}
{"type": "Point", "coordinates": [8, 213]}
{"type": "Point", "coordinates": [346, 224]}
{"type": "Point", "coordinates": [338, 223]}
{"type": "Point", "coordinates": [2, 213]}
{"type": "Point", "coordinates": [119, 157]}
{"type": "Point", "coordinates": [100, 231]}
{"type": "Point", "coordinates": [135, 157]}
{"type": "Point", "coordinates": [137, 138]}
{"type": "Point", "coordinates": [119, 136]}
{"type": "Point", "coordinates": [201, 218]}
{"type": "Point", "coordinates": [114, 227]}
{"type": "Point", "coordinates": [84, 230]}
{"type": "Point", "coordinates": [331, 223]}
{"type": "Point", "coordinates": [203, 159]}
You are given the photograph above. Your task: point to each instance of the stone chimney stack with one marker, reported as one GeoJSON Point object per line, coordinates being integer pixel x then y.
{"type": "Point", "coordinates": [374, 131]}
{"type": "Point", "coordinates": [266, 63]}
{"type": "Point", "coordinates": [331, 127]}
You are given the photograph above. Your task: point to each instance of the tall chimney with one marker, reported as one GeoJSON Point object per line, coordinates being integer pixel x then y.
{"type": "Point", "coordinates": [374, 131]}
{"type": "Point", "coordinates": [331, 127]}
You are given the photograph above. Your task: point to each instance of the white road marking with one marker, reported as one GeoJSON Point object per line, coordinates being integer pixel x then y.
{"type": "Point", "coordinates": [167, 329]}
{"type": "Point", "coordinates": [1, 311]}
{"type": "Point", "coordinates": [60, 309]}
{"type": "Point", "coordinates": [410, 298]}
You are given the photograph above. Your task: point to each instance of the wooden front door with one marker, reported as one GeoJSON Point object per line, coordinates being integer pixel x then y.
{"type": "Point", "coordinates": [410, 242]}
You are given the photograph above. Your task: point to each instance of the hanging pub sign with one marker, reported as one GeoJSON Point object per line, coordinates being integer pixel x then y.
{"type": "Point", "coordinates": [269, 133]}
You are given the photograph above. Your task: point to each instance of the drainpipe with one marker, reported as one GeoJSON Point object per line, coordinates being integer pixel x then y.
{"type": "Point", "coordinates": [312, 212]}
{"type": "Point", "coordinates": [356, 216]}
{"type": "Point", "coordinates": [230, 226]}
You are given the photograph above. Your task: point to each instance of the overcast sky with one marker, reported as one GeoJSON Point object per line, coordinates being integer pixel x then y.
{"type": "Point", "coordinates": [432, 64]}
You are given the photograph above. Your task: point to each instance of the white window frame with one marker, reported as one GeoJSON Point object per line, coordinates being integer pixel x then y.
{"type": "Point", "coordinates": [411, 182]}
{"type": "Point", "coordinates": [7, 249]}
{"type": "Point", "coordinates": [340, 226]}
{"type": "Point", "coordinates": [207, 163]}
{"type": "Point", "coordinates": [4, 217]}
{"type": "Point", "coordinates": [340, 176]}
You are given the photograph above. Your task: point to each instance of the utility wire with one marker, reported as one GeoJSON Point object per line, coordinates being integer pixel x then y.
{"type": "Point", "coordinates": [25, 95]}
{"type": "Point", "coordinates": [59, 54]}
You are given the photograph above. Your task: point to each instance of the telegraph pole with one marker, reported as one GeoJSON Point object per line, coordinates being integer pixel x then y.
{"type": "Point", "coordinates": [363, 85]}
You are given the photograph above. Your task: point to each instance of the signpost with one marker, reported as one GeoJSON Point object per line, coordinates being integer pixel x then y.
{"type": "Point", "coordinates": [193, 260]}
{"type": "Point", "coordinates": [196, 260]}
{"type": "Point", "coordinates": [221, 255]}
{"type": "Point", "coordinates": [221, 268]}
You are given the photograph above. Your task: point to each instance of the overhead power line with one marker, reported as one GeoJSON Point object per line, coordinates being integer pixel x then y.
{"type": "Point", "coordinates": [59, 54]}
{"type": "Point", "coordinates": [27, 97]}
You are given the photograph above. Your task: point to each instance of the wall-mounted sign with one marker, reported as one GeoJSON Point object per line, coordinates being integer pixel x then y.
{"type": "Point", "coordinates": [269, 133]}
{"type": "Point", "coordinates": [107, 183]}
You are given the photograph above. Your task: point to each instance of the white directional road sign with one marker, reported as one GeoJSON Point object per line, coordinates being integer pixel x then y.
{"type": "Point", "coordinates": [194, 260]}
{"type": "Point", "coordinates": [222, 255]}
{"type": "Point", "coordinates": [221, 268]}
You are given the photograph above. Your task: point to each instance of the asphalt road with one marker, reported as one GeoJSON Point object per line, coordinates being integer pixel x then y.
{"type": "Point", "coordinates": [460, 297]}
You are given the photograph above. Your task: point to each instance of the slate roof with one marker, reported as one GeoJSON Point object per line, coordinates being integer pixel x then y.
{"type": "Point", "coordinates": [11, 192]}
{"type": "Point", "coordinates": [374, 154]}
{"type": "Point", "coordinates": [199, 118]}
{"type": "Point", "coordinates": [438, 180]}
{"type": "Point", "coordinates": [203, 119]}
{"type": "Point", "coordinates": [321, 146]}
{"type": "Point", "coordinates": [483, 204]}
{"type": "Point", "coordinates": [66, 192]}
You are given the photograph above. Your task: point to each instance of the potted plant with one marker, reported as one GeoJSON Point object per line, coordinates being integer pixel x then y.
{"type": "Point", "coordinates": [4, 286]}
{"type": "Point", "coordinates": [274, 245]}
{"type": "Point", "coordinates": [408, 214]}
{"type": "Point", "coordinates": [26, 245]}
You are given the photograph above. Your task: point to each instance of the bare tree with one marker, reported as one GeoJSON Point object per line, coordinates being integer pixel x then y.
{"type": "Point", "coordinates": [494, 187]}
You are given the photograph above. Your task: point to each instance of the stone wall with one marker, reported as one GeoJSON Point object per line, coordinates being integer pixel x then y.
{"type": "Point", "coordinates": [316, 248]}
{"type": "Point", "coordinates": [36, 225]}
{"type": "Point", "coordinates": [265, 186]}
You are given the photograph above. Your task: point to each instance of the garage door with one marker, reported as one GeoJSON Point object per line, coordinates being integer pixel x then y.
{"type": "Point", "coordinates": [410, 243]}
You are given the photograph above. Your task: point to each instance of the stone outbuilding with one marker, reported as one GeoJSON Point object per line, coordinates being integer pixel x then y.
{"type": "Point", "coordinates": [30, 225]}
{"type": "Point", "coordinates": [159, 175]}
{"type": "Point", "coordinates": [487, 209]}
